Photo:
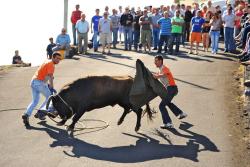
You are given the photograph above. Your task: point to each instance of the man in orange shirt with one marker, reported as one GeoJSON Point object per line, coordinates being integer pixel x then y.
{"type": "Point", "coordinates": [39, 81]}
{"type": "Point", "coordinates": [166, 78]}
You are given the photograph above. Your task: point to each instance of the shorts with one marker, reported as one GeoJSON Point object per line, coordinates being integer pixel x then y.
{"type": "Point", "coordinates": [105, 38]}
{"type": "Point", "coordinates": [195, 36]}
{"type": "Point", "coordinates": [146, 36]}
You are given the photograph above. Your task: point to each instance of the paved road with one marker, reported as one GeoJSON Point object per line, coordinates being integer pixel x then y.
{"type": "Point", "coordinates": [202, 139]}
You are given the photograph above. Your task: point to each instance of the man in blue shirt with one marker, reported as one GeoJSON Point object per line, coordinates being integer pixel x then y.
{"type": "Point", "coordinates": [62, 42]}
{"type": "Point", "coordinates": [95, 21]}
{"type": "Point", "coordinates": [165, 31]}
{"type": "Point", "coordinates": [196, 23]}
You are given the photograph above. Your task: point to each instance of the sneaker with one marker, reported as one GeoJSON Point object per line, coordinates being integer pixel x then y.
{"type": "Point", "coordinates": [25, 118]}
{"type": "Point", "coordinates": [183, 115]}
{"type": "Point", "coordinates": [41, 114]}
{"type": "Point", "coordinates": [167, 126]}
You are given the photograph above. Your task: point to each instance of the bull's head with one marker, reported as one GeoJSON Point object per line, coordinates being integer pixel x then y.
{"type": "Point", "coordinates": [63, 111]}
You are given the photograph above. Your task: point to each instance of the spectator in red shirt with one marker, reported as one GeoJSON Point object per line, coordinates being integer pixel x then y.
{"type": "Point", "coordinates": [238, 13]}
{"type": "Point", "coordinates": [75, 16]}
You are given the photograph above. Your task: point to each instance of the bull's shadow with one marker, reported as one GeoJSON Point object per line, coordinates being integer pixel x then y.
{"type": "Point", "coordinates": [145, 149]}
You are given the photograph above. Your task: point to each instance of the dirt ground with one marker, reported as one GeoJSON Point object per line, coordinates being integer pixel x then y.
{"type": "Point", "coordinates": [238, 119]}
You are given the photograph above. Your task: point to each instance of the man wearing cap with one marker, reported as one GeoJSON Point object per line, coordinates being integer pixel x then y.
{"type": "Point", "coordinates": [41, 83]}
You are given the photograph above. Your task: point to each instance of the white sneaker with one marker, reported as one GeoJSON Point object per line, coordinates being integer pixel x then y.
{"type": "Point", "coordinates": [167, 126]}
{"type": "Point", "coordinates": [183, 115]}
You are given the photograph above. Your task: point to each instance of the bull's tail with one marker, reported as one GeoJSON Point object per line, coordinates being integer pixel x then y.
{"type": "Point", "coordinates": [150, 112]}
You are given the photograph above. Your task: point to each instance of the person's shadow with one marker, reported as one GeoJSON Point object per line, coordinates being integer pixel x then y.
{"type": "Point", "coordinates": [145, 149]}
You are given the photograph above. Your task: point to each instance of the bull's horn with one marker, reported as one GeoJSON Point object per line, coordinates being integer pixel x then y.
{"type": "Point", "coordinates": [47, 105]}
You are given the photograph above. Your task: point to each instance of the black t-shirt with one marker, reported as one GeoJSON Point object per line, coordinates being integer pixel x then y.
{"type": "Point", "coordinates": [15, 58]}
{"type": "Point", "coordinates": [188, 16]}
{"type": "Point", "coordinates": [206, 28]}
{"type": "Point", "coordinates": [136, 23]}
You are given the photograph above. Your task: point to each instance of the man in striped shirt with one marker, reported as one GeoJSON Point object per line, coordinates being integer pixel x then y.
{"type": "Point", "coordinates": [165, 31]}
{"type": "Point", "coordinates": [166, 78]}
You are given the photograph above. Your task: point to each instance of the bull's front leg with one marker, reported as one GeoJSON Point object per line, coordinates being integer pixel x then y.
{"type": "Point", "coordinates": [126, 111]}
{"type": "Point", "coordinates": [76, 117]}
{"type": "Point", "coordinates": [138, 122]}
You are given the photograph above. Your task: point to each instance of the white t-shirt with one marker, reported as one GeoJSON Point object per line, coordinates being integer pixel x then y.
{"type": "Point", "coordinates": [105, 25]}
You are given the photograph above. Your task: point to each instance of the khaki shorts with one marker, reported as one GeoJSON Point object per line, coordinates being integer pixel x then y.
{"type": "Point", "coordinates": [146, 36]}
{"type": "Point", "coordinates": [105, 38]}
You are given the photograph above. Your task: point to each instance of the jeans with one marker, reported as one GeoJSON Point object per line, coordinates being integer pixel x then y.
{"type": "Point", "coordinates": [74, 33]}
{"type": "Point", "coordinates": [186, 31]}
{"type": "Point", "coordinates": [164, 38]}
{"type": "Point", "coordinates": [95, 41]}
{"type": "Point", "coordinates": [229, 39]}
{"type": "Point", "coordinates": [136, 38]}
{"type": "Point", "coordinates": [175, 38]}
{"type": "Point", "coordinates": [115, 35]}
{"type": "Point", "coordinates": [128, 37]}
{"type": "Point", "coordinates": [156, 36]}
{"type": "Point", "coordinates": [214, 35]}
{"type": "Point", "coordinates": [171, 92]}
{"type": "Point", "coordinates": [38, 87]}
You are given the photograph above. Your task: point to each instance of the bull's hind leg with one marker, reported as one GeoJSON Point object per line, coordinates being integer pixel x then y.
{"type": "Point", "coordinates": [126, 111]}
{"type": "Point", "coordinates": [76, 117]}
{"type": "Point", "coordinates": [138, 122]}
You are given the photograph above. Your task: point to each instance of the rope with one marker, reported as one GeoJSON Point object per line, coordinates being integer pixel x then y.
{"type": "Point", "coordinates": [83, 127]}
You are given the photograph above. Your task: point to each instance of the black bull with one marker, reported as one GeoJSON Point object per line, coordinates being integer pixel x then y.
{"type": "Point", "coordinates": [89, 93]}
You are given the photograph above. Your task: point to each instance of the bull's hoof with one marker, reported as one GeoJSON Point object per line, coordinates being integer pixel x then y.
{"type": "Point", "coordinates": [61, 123]}
{"type": "Point", "coordinates": [119, 122]}
{"type": "Point", "coordinates": [137, 128]}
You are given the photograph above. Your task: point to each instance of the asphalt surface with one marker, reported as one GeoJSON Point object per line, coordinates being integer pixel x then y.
{"type": "Point", "coordinates": [202, 139]}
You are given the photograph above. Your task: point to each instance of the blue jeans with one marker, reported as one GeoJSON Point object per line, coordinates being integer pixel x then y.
{"type": "Point", "coordinates": [136, 39]}
{"type": "Point", "coordinates": [171, 92]}
{"type": "Point", "coordinates": [214, 35]}
{"type": "Point", "coordinates": [175, 39]}
{"type": "Point", "coordinates": [128, 37]}
{"type": "Point", "coordinates": [229, 39]}
{"type": "Point", "coordinates": [95, 41]}
{"type": "Point", "coordinates": [74, 34]}
{"type": "Point", "coordinates": [115, 35]}
{"type": "Point", "coordinates": [164, 38]}
{"type": "Point", "coordinates": [156, 36]}
{"type": "Point", "coordinates": [38, 87]}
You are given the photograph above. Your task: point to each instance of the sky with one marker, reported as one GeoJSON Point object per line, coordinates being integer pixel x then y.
{"type": "Point", "coordinates": [26, 25]}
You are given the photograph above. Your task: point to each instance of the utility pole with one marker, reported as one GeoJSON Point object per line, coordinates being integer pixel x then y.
{"type": "Point", "coordinates": [65, 21]}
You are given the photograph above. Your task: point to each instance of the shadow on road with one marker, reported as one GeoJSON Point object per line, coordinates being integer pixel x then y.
{"type": "Point", "coordinates": [145, 149]}
{"type": "Point", "coordinates": [205, 142]}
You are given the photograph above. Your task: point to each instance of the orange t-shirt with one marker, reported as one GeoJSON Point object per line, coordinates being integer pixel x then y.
{"type": "Point", "coordinates": [44, 70]}
{"type": "Point", "coordinates": [168, 80]}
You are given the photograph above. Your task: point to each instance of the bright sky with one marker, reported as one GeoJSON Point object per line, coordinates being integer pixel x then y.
{"type": "Point", "coordinates": [26, 25]}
